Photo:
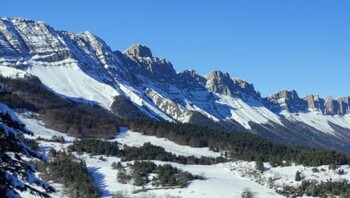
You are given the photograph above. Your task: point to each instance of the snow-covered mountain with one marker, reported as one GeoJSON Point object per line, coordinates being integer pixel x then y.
{"type": "Point", "coordinates": [84, 68]}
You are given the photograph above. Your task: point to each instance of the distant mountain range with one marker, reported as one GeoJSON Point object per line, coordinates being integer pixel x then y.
{"type": "Point", "coordinates": [134, 83]}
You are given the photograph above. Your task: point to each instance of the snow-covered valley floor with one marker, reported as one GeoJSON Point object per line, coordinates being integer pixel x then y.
{"type": "Point", "coordinates": [221, 180]}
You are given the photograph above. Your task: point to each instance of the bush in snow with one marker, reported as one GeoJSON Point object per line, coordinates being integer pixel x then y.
{"type": "Point", "coordinates": [247, 193]}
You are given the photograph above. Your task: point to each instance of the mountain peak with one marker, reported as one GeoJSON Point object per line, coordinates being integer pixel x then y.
{"type": "Point", "coordinates": [221, 82]}
{"type": "Point", "coordinates": [285, 94]}
{"type": "Point", "coordinates": [217, 74]}
{"type": "Point", "coordinates": [139, 51]}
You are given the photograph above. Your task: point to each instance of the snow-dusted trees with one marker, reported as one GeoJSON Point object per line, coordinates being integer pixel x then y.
{"type": "Point", "coordinates": [16, 173]}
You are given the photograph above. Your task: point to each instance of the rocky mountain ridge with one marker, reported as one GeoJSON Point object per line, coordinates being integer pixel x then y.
{"type": "Point", "coordinates": [83, 67]}
{"type": "Point", "coordinates": [290, 101]}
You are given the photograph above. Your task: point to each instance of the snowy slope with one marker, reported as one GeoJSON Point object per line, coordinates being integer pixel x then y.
{"type": "Point", "coordinates": [224, 180]}
{"type": "Point", "coordinates": [220, 182]}
{"type": "Point", "coordinates": [137, 139]}
{"type": "Point", "coordinates": [38, 127]}
{"type": "Point", "coordinates": [67, 79]}
{"type": "Point", "coordinates": [244, 113]}
{"type": "Point", "coordinates": [319, 121]}
{"type": "Point", "coordinates": [219, 176]}
{"type": "Point", "coordinates": [10, 72]}
{"type": "Point", "coordinates": [136, 97]}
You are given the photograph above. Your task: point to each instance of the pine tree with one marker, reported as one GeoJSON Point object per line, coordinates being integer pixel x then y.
{"type": "Point", "coordinates": [17, 174]}
{"type": "Point", "coordinates": [298, 176]}
{"type": "Point", "coordinates": [259, 165]}
{"type": "Point", "coordinates": [114, 165]}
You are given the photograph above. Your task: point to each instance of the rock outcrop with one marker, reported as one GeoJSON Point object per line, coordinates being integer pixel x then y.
{"type": "Point", "coordinates": [222, 83]}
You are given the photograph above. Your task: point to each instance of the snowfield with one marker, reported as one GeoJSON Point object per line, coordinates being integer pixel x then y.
{"type": "Point", "coordinates": [244, 112]}
{"type": "Point", "coordinates": [10, 72]}
{"type": "Point", "coordinates": [221, 180]}
{"type": "Point", "coordinates": [131, 138]}
{"type": "Point", "coordinates": [318, 121]}
{"type": "Point", "coordinates": [67, 79]}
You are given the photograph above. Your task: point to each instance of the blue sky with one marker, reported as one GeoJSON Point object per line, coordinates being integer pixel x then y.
{"type": "Point", "coordinates": [299, 44]}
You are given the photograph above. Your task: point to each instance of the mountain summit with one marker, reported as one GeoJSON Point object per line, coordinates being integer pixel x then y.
{"type": "Point", "coordinates": [139, 51]}
{"type": "Point", "coordinates": [82, 67]}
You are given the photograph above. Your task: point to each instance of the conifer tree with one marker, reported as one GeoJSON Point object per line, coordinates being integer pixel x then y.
{"type": "Point", "coordinates": [298, 176]}
{"type": "Point", "coordinates": [259, 165]}
{"type": "Point", "coordinates": [16, 173]}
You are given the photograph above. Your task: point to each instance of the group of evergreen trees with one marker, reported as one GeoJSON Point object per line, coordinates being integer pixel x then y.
{"type": "Point", "coordinates": [129, 153]}
{"type": "Point", "coordinates": [163, 175]}
{"type": "Point", "coordinates": [74, 176]}
{"type": "Point", "coordinates": [242, 146]}
{"type": "Point", "coordinates": [57, 139]}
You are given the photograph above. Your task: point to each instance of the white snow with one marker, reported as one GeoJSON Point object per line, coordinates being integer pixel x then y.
{"type": "Point", "coordinates": [219, 182]}
{"type": "Point", "coordinates": [38, 127]}
{"type": "Point", "coordinates": [135, 96]}
{"type": "Point", "coordinates": [286, 175]}
{"type": "Point", "coordinates": [131, 138]}
{"type": "Point", "coordinates": [67, 79]}
{"type": "Point", "coordinates": [244, 113]}
{"type": "Point", "coordinates": [9, 72]}
{"type": "Point", "coordinates": [224, 180]}
{"type": "Point", "coordinates": [318, 121]}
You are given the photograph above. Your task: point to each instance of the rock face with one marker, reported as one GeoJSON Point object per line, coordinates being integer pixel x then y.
{"type": "Point", "coordinates": [314, 102]}
{"type": "Point", "coordinates": [143, 63]}
{"type": "Point", "coordinates": [22, 37]}
{"type": "Point", "coordinates": [338, 106]}
{"type": "Point", "coordinates": [139, 51]}
{"type": "Point", "coordinates": [344, 105]}
{"type": "Point", "coordinates": [222, 83]}
{"type": "Point", "coordinates": [289, 101]}
{"type": "Point", "coordinates": [154, 89]}
{"type": "Point", "coordinates": [188, 79]}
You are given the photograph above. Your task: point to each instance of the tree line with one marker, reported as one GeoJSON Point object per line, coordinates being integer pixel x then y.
{"type": "Point", "coordinates": [146, 152]}
{"type": "Point", "coordinates": [240, 146]}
